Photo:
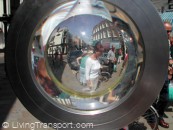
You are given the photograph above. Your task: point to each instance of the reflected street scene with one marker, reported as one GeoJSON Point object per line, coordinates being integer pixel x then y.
{"type": "Point", "coordinates": [89, 58]}
{"type": "Point", "coordinates": [86, 55]}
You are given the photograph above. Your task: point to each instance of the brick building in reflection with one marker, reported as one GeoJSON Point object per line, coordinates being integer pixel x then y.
{"type": "Point", "coordinates": [106, 32]}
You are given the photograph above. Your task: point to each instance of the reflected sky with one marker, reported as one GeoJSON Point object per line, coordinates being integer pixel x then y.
{"type": "Point", "coordinates": [81, 25]}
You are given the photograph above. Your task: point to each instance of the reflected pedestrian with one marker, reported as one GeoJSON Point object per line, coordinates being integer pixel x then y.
{"type": "Point", "coordinates": [82, 62]}
{"type": "Point", "coordinates": [93, 66]}
{"type": "Point", "coordinates": [112, 59]}
{"type": "Point", "coordinates": [163, 96]}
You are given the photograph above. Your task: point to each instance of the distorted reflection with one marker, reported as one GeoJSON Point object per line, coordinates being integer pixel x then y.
{"type": "Point", "coordinates": [88, 59]}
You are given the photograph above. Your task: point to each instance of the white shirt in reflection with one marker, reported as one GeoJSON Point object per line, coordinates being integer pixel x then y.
{"type": "Point", "coordinates": [92, 68]}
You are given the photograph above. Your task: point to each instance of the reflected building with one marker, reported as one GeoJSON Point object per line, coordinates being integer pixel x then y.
{"type": "Point", "coordinates": [78, 43]}
{"type": "Point", "coordinates": [106, 32]}
{"type": "Point", "coordinates": [58, 42]}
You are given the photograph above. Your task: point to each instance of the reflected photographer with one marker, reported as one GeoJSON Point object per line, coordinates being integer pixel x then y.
{"type": "Point", "coordinates": [44, 79]}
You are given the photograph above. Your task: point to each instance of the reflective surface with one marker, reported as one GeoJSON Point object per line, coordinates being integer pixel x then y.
{"type": "Point", "coordinates": [87, 58]}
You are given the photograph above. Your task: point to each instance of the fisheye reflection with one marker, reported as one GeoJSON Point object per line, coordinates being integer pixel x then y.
{"type": "Point", "coordinates": [88, 61]}
{"type": "Point", "coordinates": [90, 58]}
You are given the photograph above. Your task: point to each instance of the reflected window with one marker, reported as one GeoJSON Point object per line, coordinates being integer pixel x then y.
{"type": "Point", "coordinates": [101, 35]}
{"type": "Point", "coordinates": [98, 36]}
{"type": "Point", "coordinates": [103, 25]}
{"type": "Point", "coordinates": [109, 33]}
{"type": "Point", "coordinates": [98, 29]}
{"type": "Point", "coordinates": [106, 24]}
{"type": "Point", "coordinates": [113, 32]}
{"type": "Point", "coordinates": [104, 34]}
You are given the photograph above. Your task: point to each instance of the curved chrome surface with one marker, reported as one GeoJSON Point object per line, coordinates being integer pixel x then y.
{"type": "Point", "coordinates": [67, 64]}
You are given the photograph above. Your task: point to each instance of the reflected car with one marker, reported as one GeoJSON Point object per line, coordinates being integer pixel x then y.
{"type": "Point", "coordinates": [103, 59]}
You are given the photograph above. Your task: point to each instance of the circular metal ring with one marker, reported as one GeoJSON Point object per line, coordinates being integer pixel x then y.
{"type": "Point", "coordinates": [147, 87]}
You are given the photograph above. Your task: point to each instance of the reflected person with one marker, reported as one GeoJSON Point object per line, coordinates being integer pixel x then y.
{"type": "Point", "coordinates": [162, 102]}
{"type": "Point", "coordinates": [93, 66]}
{"type": "Point", "coordinates": [111, 58]}
{"type": "Point", "coordinates": [163, 97]}
{"type": "Point", "coordinates": [82, 62]}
